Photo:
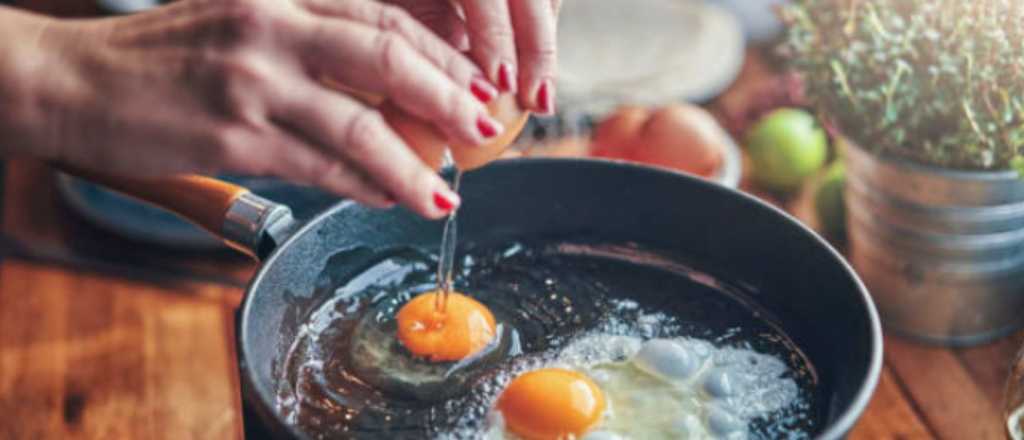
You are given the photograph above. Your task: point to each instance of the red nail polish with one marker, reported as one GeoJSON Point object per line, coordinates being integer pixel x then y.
{"type": "Point", "coordinates": [546, 97]}
{"type": "Point", "coordinates": [507, 77]}
{"type": "Point", "coordinates": [442, 202]}
{"type": "Point", "coordinates": [483, 90]}
{"type": "Point", "coordinates": [488, 127]}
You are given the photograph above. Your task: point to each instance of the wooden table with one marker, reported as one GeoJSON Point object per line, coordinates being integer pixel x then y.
{"type": "Point", "coordinates": [101, 338]}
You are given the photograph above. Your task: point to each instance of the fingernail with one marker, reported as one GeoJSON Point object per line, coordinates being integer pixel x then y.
{"type": "Point", "coordinates": [482, 89]}
{"type": "Point", "coordinates": [446, 200]}
{"type": "Point", "coordinates": [488, 127]}
{"type": "Point", "coordinates": [546, 97]}
{"type": "Point", "coordinates": [507, 77]}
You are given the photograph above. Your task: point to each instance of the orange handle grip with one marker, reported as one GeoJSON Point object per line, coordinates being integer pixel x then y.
{"type": "Point", "coordinates": [202, 200]}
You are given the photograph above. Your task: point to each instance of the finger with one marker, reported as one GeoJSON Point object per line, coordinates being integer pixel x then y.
{"type": "Point", "coordinates": [534, 23]}
{"type": "Point", "coordinates": [342, 178]}
{"type": "Point", "coordinates": [359, 135]}
{"type": "Point", "coordinates": [376, 61]}
{"type": "Point", "coordinates": [491, 40]}
{"type": "Point", "coordinates": [301, 162]}
{"type": "Point", "coordinates": [437, 15]}
{"type": "Point", "coordinates": [274, 151]}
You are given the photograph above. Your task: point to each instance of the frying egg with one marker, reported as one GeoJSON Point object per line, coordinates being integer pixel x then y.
{"type": "Point", "coordinates": [551, 404]}
{"type": "Point", "coordinates": [459, 329]}
{"type": "Point", "coordinates": [609, 387]}
{"type": "Point", "coordinates": [420, 353]}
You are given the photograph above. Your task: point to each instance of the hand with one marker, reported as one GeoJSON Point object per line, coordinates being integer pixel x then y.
{"type": "Point", "coordinates": [514, 41]}
{"type": "Point", "coordinates": [234, 85]}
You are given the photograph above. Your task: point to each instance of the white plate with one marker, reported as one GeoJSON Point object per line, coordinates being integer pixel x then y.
{"type": "Point", "coordinates": [645, 52]}
{"type": "Point", "coordinates": [760, 22]}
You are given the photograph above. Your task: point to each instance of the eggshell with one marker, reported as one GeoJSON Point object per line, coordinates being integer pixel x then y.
{"type": "Point", "coordinates": [615, 136]}
{"type": "Point", "coordinates": [505, 108]}
{"type": "Point", "coordinates": [425, 140]}
{"type": "Point", "coordinates": [430, 144]}
{"type": "Point", "coordinates": [682, 137]}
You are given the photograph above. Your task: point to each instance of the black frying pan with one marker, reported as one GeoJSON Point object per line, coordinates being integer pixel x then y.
{"type": "Point", "coordinates": [817, 298]}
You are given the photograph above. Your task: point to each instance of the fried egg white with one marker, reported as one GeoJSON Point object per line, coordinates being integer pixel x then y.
{"type": "Point", "coordinates": [679, 388]}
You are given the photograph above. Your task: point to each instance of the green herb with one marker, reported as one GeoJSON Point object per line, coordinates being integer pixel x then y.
{"type": "Point", "coordinates": [939, 82]}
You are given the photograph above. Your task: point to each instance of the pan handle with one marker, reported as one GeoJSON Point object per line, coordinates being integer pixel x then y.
{"type": "Point", "coordinates": [245, 221]}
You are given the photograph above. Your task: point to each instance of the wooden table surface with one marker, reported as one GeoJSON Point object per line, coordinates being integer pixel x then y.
{"type": "Point", "coordinates": [102, 338]}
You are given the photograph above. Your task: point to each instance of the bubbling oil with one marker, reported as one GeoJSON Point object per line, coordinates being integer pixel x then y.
{"type": "Point", "coordinates": [546, 298]}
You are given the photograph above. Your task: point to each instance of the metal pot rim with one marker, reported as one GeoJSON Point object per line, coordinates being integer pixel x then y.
{"type": "Point", "coordinates": [916, 167]}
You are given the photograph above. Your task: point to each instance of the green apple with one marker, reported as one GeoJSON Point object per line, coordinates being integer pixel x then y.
{"type": "Point", "coordinates": [786, 147]}
{"type": "Point", "coordinates": [829, 204]}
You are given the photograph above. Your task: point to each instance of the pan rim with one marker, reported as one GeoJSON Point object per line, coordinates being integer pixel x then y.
{"type": "Point", "coordinates": [836, 430]}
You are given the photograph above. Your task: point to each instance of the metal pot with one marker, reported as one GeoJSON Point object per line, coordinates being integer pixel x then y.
{"type": "Point", "coordinates": [941, 250]}
{"type": "Point", "coordinates": [816, 297]}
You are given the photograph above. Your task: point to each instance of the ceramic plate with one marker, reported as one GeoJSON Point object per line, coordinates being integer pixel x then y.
{"type": "Point", "coordinates": [645, 52]}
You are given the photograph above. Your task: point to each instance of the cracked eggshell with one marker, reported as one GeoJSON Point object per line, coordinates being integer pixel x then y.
{"type": "Point", "coordinates": [430, 144]}
{"type": "Point", "coordinates": [506, 110]}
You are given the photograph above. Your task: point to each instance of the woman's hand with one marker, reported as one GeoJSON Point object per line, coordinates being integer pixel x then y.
{"type": "Point", "coordinates": [235, 85]}
{"type": "Point", "coordinates": [513, 40]}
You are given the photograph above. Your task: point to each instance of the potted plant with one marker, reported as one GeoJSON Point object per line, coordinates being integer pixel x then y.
{"type": "Point", "coordinates": [925, 99]}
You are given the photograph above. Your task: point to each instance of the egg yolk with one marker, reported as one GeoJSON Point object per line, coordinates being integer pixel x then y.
{"type": "Point", "coordinates": [551, 404]}
{"type": "Point", "coordinates": [461, 329]}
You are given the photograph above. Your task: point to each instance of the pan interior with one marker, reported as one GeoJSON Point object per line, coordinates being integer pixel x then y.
{"type": "Point", "coordinates": [547, 296]}
{"type": "Point", "coordinates": [771, 272]}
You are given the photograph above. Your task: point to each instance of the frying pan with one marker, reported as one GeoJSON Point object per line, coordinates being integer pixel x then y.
{"type": "Point", "coordinates": [815, 296]}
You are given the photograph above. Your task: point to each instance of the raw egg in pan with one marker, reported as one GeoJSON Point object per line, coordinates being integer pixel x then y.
{"type": "Point", "coordinates": [445, 329]}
